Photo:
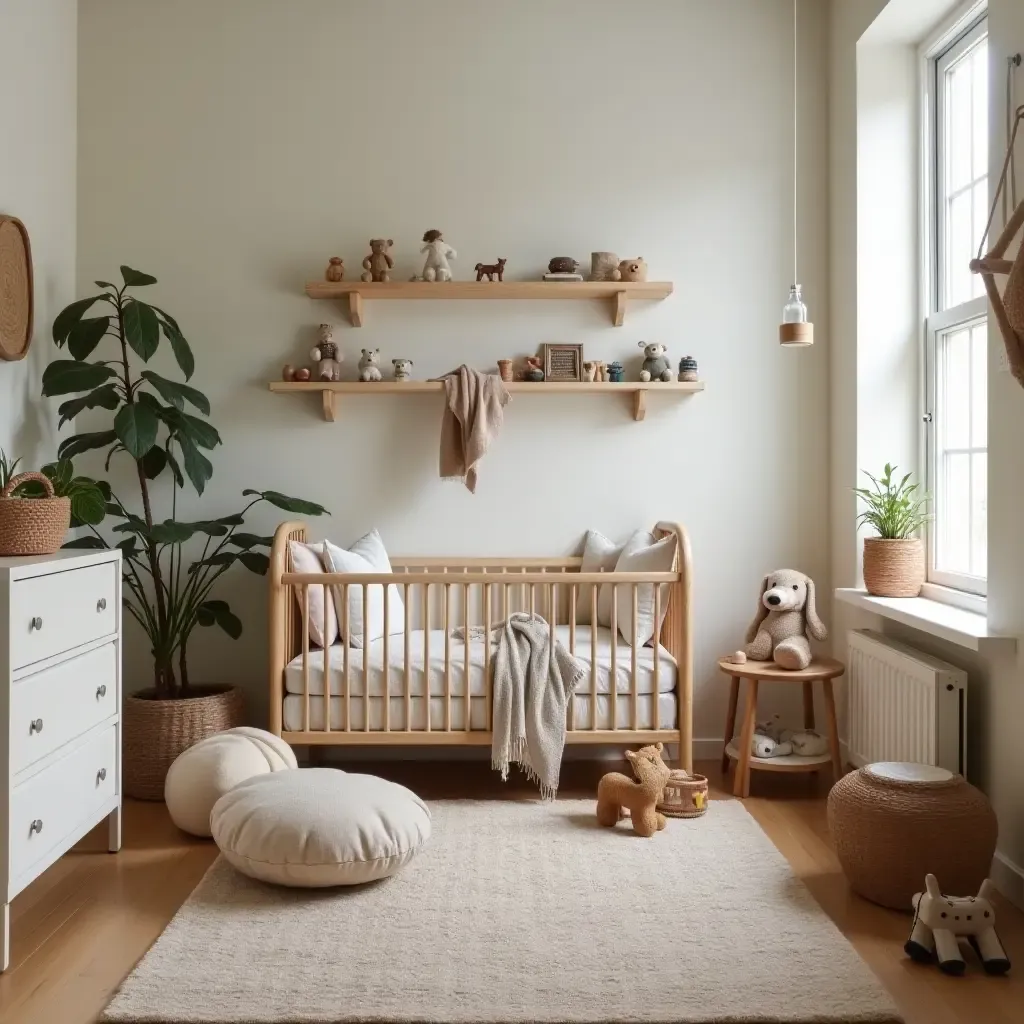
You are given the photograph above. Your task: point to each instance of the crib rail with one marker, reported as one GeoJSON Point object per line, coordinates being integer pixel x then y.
{"type": "Point", "coordinates": [407, 700]}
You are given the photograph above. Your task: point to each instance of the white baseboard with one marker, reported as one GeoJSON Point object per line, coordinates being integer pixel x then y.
{"type": "Point", "coordinates": [1009, 879]}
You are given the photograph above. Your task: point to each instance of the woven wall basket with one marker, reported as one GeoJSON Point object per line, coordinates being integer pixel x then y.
{"type": "Point", "coordinates": [32, 526]}
{"type": "Point", "coordinates": [157, 731]}
{"type": "Point", "coordinates": [892, 824]}
{"type": "Point", "coordinates": [893, 568]}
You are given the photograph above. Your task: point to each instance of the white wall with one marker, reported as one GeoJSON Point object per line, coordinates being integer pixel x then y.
{"type": "Point", "coordinates": [38, 88]}
{"type": "Point", "coordinates": [258, 138]}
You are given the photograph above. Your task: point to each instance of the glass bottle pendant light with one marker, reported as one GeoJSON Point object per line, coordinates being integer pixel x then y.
{"type": "Point", "coordinates": [795, 328]}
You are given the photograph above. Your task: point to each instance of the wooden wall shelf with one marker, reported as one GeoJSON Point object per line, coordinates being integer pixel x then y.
{"type": "Point", "coordinates": [619, 292]}
{"type": "Point", "coordinates": [329, 392]}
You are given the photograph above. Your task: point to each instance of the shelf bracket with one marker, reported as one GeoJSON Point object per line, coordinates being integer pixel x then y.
{"type": "Point", "coordinates": [639, 405]}
{"type": "Point", "coordinates": [330, 405]}
{"type": "Point", "coordinates": [619, 309]}
{"type": "Point", "coordinates": [355, 308]}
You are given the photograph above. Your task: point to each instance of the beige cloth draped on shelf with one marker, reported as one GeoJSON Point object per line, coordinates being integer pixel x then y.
{"type": "Point", "coordinates": [473, 412]}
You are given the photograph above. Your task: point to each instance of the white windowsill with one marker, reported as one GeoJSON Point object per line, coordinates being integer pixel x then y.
{"type": "Point", "coordinates": [964, 628]}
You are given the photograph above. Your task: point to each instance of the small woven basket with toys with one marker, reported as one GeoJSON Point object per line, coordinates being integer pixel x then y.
{"type": "Point", "coordinates": [685, 795]}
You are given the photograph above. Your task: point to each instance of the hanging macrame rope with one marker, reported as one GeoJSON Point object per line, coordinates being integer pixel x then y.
{"type": "Point", "coordinates": [1010, 194]}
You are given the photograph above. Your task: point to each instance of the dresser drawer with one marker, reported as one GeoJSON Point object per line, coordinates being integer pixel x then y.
{"type": "Point", "coordinates": [63, 610]}
{"type": "Point", "coordinates": [54, 706]}
{"type": "Point", "coordinates": [48, 806]}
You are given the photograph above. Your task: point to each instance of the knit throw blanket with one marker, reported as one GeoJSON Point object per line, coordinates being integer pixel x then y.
{"type": "Point", "coordinates": [534, 680]}
{"type": "Point", "coordinates": [473, 410]}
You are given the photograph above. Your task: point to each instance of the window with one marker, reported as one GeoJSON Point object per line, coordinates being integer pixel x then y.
{"type": "Point", "coordinates": [956, 337]}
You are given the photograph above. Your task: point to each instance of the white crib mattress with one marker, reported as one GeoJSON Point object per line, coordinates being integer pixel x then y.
{"type": "Point", "coordinates": [294, 712]}
{"type": "Point", "coordinates": [666, 669]}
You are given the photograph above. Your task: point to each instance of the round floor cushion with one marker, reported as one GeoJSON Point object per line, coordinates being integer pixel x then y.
{"type": "Point", "coordinates": [318, 827]}
{"type": "Point", "coordinates": [201, 775]}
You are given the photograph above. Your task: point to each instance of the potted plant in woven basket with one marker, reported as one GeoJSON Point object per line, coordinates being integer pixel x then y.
{"type": "Point", "coordinates": [894, 560]}
{"type": "Point", "coordinates": [36, 509]}
{"type": "Point", "coordinates": [170, 567]}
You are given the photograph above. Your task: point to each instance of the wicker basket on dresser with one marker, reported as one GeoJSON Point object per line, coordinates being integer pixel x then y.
{"type": "Point", "coordinates": [60, 700]}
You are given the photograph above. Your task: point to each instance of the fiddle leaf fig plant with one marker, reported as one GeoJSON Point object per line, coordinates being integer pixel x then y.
{"type": "Point", "coordinates": [895, 511]}
{"type": "Point", "coordinates": [160, 425]}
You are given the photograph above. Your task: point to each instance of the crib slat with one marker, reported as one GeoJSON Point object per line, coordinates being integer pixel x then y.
{"type": "Point", "coordinates": [408, 677]}
{"type": "Point", "coordinates": [345, 656]}
{"type": "Point", "coordinates": [614, 687]}
{"type": "Point", "coordinates": [447, 657]}
{"type": "Point", "coordinates": [487, 656]}
{"type": "Point", "coordinates": [387, 658]}
{"type": "Point", "coordinates": [465, 671]}
{"type": "Point", "coordinates": [636, 605]}
{"type": "Point", "coordinates": [657, 657]}
{"type": "Point", "coordinates": [533, 600]}
{"type": "Point", "coordinates": [327, 664]}
{"type": "Point", "coordinates": [426, 652]}
{"type": "Point", "coordinates": [305, 657]}
{"type": "Point", "coordinates": [366, 657]}
{"type": "Point", "coordinates": [572, 651]}
{"type": "Point", "coordinates": [593, 659]}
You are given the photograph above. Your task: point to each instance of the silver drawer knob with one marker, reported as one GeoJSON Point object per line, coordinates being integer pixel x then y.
{"type": "Point", "coordinates": [36, 725]}
{"type": "Point", "coordinates": [36, 826]}
{"type": "Point", "coordinates": [101, 604]}
{"type": "Point", "coordinates": [101, 775]}
{"type": "Point", "coordinates": [35, 623]}
{"type": "Point", "coordinates": [101, 691]}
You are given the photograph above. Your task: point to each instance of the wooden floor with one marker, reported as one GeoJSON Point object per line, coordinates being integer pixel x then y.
{"type": "Point", "coordinates": [79, 929]}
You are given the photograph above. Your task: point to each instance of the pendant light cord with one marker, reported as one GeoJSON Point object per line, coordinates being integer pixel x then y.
{"type": "Point", "coordinates": [1012, 63]}
{"type": "Point", "coordinates": [796, 279]}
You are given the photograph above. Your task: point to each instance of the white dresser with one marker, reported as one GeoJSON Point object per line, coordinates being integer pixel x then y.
{"type": "Point", "coordinates": [60, 702]}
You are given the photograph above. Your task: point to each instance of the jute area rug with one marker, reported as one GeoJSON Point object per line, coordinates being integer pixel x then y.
{"type": "Point", "coordinates": [518, 912]}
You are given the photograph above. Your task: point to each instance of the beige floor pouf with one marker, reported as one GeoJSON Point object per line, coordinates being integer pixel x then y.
{"type": "Point", "coordinates": [319, 827]}
{"type": "Point", "coordinates": [201, 775]}
{"type": "Point", "coordinates": [892, 823]}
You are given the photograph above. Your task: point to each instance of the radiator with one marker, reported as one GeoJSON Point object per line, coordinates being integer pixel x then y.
{"type": "Point", "coordinates": [904, 705]}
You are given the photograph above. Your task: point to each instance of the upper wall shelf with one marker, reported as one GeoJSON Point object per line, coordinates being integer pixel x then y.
{"type": "Point", "coordinates": [620, 292]}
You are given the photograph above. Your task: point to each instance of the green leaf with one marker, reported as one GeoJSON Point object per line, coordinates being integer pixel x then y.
{"type": "Point", "coordinates": [179, 478]}
{"type": "Point", "coordinates": [136, 427]}
{"type": "Point", "coordinates": [154, 462]}
{"type": "Point", "coordinates": [105, 397]}
{"type": "Point", "coordinates": [141, 329]}
{"type": "Point", "coordinates": [75, 445]}
{"type": "Point", "coordinates": [179, 346]}
{"type": "Point", "coordinates": [218, 612]}
{"type": "Point", "coordinates": [69, 316]}
{"type": "Point", "coordinates": [85, 336]}
{"type": "Point", "coordinates": [196, 430]}
{"type": "Point", "coordinates": [249, 540]}
{"type": "Point", "coordinates": [127, 547]}
{"type": "Point", "coordinates": [105, 284]}
{"type": "Point", "coordinates": [87, 504]}
{"type": "Point", "coordinates": [198, 468]}
{"type": "Point", "coordinates": [221, 558]}
{"type": "Point", "coordinates": [136, 278]}
{"type": "Point", "coordinates": [255, 561]}
{"type": "Point", "coordinates": [170, 532]}
{"type": "Point", "coordinates": [177, 394]}
{"type": "Point", "coordinates": [66, 376]}
{"type": "Point", "coordinates": [299, 505]}
{"type": "Point", "coordinates": [91, 543]}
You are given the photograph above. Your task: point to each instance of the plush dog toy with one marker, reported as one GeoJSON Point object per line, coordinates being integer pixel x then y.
{"type": "Point", "coordinates": [939, 920]}
{"type": "Point", "coordinates": [772, 740]}
{"type": "Point", "coordinates": [786, 617]}
{"type": "Point", "coordinates": [617, 793]}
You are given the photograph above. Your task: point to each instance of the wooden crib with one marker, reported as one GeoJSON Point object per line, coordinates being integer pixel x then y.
{"type": "Point", "coordinates": [439, 687]}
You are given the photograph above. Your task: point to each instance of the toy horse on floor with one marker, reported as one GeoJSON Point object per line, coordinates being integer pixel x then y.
{"type": "Point", "coordinates": [617, 792]}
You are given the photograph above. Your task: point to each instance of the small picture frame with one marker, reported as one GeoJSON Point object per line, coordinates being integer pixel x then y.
{"type": "Point", "coordinates": [563, 362]}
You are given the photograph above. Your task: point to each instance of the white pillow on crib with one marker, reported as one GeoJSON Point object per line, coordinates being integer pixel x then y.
{"type": "Point", "coordinates": [643, 555]}
{"type": "Point", "coordinates": [599, 555]}
{"type": "Point", "coordinates": [639, 540]}
{"type": "Point", "coordinates": [367, 555]}
{"type": "Point", "coordinates": [308, 558]}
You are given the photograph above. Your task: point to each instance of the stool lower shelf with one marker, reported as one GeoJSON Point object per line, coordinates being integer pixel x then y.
{"type": "Point", "coordinates": [785, 763]}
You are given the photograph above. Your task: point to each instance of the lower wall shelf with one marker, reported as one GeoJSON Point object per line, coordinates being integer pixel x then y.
{"type": "Point", "coordinates": [330, 392]}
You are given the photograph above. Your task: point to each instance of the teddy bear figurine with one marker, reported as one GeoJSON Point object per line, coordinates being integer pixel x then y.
{"type": "Point", "coordinates": [403, 369]}
{"type": "Point", "coordinates": [633, 270]}
{"type": "Point", "coordinates": [786, 619]}
{"type": "Point", "coordinates": [369, 365]}
{"type": "Point", "coordinates": [326, 355]}
{"type": "Point", "coordinates": [656, 365]}
{"type": "Point", "coordinates": [377, 266]}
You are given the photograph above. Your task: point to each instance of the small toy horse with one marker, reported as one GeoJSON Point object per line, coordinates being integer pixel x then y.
{"type": "Point", "coordinates": [492, 270]}
{"type": "Point", "coordinates": [940, 920]}
{"type": "Point", "coordinates": [617, 792]}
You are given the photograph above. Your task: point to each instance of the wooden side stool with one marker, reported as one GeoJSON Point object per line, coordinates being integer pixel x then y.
{"type": "Point", "coordinates": [822, 670]}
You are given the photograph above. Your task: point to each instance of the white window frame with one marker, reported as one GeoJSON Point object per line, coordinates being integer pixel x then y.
{"type": "Point", "coordinates": [959, 33]}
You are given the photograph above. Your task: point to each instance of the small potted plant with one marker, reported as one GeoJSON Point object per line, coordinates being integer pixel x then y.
{"type": "Point", "coordinates": [894, 560]}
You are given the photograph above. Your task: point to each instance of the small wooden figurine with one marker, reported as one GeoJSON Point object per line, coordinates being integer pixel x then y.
{"type": "Point", "coordinates": [288, 372]}
{"type": "Point", "coordinates": [369, 365]}
{"type": "Point", "coordinates": [302, 374]}
{"type": "Point", "coordinates": [688, 369]}
{"type": "Point", "coordinates": [439, 252]}
{"type": "Point", "coordinates": [377, 266]}
{"type": "Point", "coordinates": [492, 270]}
{"type": "Point", "coordinates": [335, 269]}
{"type": "Point", "coordinates": [616, 372]}
{"type": "Point", "coordinates": [563, 265]}
{"type": "Point", "coordinates": [633, 270]}
{"type": "Point", "coordinates": [403, 369]}
{"type": "Point", "coordinates": [595, 370]}
{"type": "Point", "coordinates": [326, 355]}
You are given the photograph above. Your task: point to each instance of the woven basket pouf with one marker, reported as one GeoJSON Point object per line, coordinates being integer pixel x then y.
{"type": "Point", "coordinates": [893, 823]}
{"type": "Point", "coordinates": [685, 795]}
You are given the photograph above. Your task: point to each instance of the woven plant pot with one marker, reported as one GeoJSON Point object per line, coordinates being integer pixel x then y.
{"type": "Point", "coordinates": [893, 568]}
{"type": "Point", "coordinates": [32, 526]}
{"type": "Point", "coordinates": [157, 731]}
{"type": "Point", "coordinates": [892, 824]}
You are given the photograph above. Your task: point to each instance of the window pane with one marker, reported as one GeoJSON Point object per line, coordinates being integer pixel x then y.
{"type": "Point", "coordinates": [954, 554]}
{"type": "Point", "coordinates": [958, 125]}
{"type": "Point", "coordinates": [979, 69]}
{"type": "Point", "coordinates": [959, 236]}
{"type": "Point", "coordinates": [979, 386]}
{"type": "Point", "coordinates": [980, 201]}
{"type": "Point", "coordinates": [955, 410]}
{"type": "Point", "coordinates": [979, 514]}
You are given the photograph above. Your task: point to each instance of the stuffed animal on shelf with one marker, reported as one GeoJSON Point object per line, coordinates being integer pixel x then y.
{"type": "Point", "coordinates": [369, 365]}
{"type": "Point", "coordinates": [656, 365]}
{"type": "Point", "coordinates": [617, 793]}
{"type": "Point", "coordinates": [939, 921]}
{"type": "Point", "coordinates": [439, 252]}
{"type": "Point", "coordinates": [772, 740]}
{"type": "Point", "coordinates": [765, 744]}
{"type": "Point", "coordinates": [633, 270]}
{"type": "Point", "coordinates": [786, 618]}
{"type": "Point", "coordinates": [403, 369]}
{"type": "Point", "coordinates": [326, 355]}
{"type": "Point", "coordinates": [377, 266]}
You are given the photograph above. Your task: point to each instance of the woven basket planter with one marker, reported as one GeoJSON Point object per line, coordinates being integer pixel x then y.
{"type": "Point", "coordinates": [893, 568]}
{"type": "Point", "coordinates": [32, 526]}
{"type": "Point", "coordinates": [157, 731]}
{"type": "Point", "coordinates": [892, 824]}
{"type": "Point", "coordinates": [685, 796]}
